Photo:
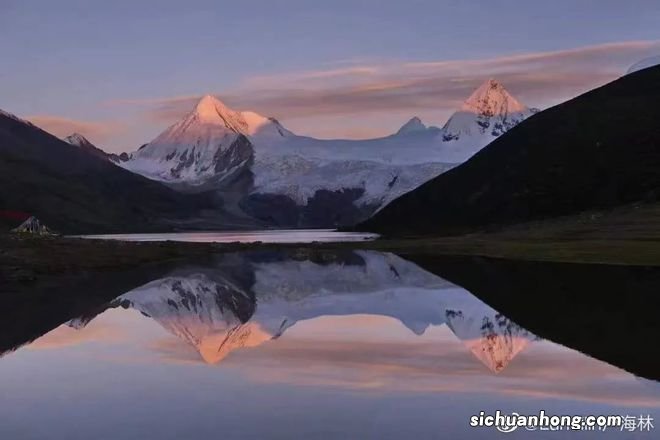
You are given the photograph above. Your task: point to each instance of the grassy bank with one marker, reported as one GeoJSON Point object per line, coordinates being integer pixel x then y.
{"type": "Point", "coordinates": [25, 259]}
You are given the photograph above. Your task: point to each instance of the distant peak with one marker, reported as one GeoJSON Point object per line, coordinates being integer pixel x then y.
{"type": "Point", "coordinates": [77, 139]}
{"type": "Point", "coordinates": [492, 98]}
{"type": "Point", "coordinates": [490, 87]}
{"type": "Point", "coordinates": [414, 125]}
{"type": "Point", "coordinates": [208, 100]}
{"type": "Point", "coordinates": [210, 110]}
{"type": "Point", "coordinates": [210, 106]}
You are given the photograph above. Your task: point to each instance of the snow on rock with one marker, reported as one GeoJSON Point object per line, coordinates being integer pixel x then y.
{"type": "Point", "coordinates": [14, 117]}
{"type": "Point", "coordinates": [300, 178]}
{"type": "Point", "coordinates": [644, 64]}
{"type": "Point", "coordinates": [209, 141]}
{"type": "Point", "coordinates": [487, 114]}
{"type": "Point", "coordinates": [214, 142]}
{"type": "Point", "coordinates": [78, 140]}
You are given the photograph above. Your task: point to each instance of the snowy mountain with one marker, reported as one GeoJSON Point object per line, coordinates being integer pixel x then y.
{"type": "Point", "coordinates": [210, 142]}
{"type": "Point", "coordinates": [487, 114]}
{"type": "Point", "coordinates": [644, 64]}
{"type": "Point", "coordinates": [267, 172]}
{"type": "Point", "coordinates": [78, 140]}
{"type": "Point", "coordinates": [221, 310]}
{"type": "Point", "coordinates": [415, 125]}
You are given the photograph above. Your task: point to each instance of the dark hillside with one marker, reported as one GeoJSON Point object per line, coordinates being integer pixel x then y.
{"type": "Point", "coordinates": [73, 191]}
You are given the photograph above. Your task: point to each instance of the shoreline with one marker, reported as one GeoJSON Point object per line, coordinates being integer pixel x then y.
{"type": "Point", "coordinates": [25, 259]}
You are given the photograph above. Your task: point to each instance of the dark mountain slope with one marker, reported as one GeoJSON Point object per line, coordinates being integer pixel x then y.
{"type": "Point", "coordinates": [73, 191]}
{"type": "Point", "coordinates": [597, 151]}
{"type": "Point", "coordinates": [80, 141]}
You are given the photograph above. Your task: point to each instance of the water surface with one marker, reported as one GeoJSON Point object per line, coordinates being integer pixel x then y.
{"type": "Point", "coordinates": [264, 236]}
{"type": "Point", "coordinates": [256, 345]}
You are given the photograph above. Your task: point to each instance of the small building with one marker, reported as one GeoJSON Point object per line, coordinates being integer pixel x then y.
{"type": "Point", "coordinates": [32, 226]}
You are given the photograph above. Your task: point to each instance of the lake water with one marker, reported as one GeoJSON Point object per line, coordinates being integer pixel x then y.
{"type": "Point", "coordinates": [264, 236]}
{"type": "Point", "coordinates": [254, 345]}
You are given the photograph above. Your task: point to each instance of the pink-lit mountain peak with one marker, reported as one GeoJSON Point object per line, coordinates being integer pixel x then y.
{"type": "Point", "coordinates": [491, 99]}
{"type": "Point", "coordinates": [210, 110]}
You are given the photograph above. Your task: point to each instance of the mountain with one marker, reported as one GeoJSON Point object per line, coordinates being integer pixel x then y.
{"type": "Point", "coordinates": [266, 172]}
{"type": "Point", "coordinates": [73, 191]}
{"type": "Point", "coordinates": [80, 141]}
{"type": "Point", "coordinates": [487, 114]}
{"type": "Point", "coordinates": [594, 152]}
{"type": "Point", "coordinates": [414, 125]}
{"type": "Point", "coordinates": [248, 299]}
{"type": "Point", "coordinates": [209, 143]}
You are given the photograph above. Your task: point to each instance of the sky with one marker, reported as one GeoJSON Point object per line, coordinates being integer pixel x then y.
{"type": "Point", "coordinates": [120, 72]}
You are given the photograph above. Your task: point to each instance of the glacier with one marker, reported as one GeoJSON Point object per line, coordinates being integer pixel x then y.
{"type": "Point", "coordinates": [263, 168]}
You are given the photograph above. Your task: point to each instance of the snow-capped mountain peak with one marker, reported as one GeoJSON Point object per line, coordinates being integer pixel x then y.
{"type": "Point", "coordinates": [263, 165]}
{"type": "Point", "coordinates": [488, 113]}
{"type": "Point", "coordinates": [490, 99]}
{"type": "Point", "coordinates": [209, 142]}
{"type": "Point", "coordinates": [210, 110]}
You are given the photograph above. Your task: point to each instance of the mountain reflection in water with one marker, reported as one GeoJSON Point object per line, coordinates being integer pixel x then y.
{"type": "Point", "coordinates": [249, 299]}
{"type": "Point", "coordinates": [356, 344]}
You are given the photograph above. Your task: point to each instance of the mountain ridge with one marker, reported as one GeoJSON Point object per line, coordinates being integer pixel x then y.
{"type": "Point", "coordinates": [269, 173]}
{"type": "Point", "coordinates": [596, 151]}
{"type": "Point", "coordinates": [74, 191]}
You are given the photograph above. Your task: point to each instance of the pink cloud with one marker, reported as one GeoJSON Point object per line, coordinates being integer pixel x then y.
{"type": "Point", "coordinates": [429, 88]}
